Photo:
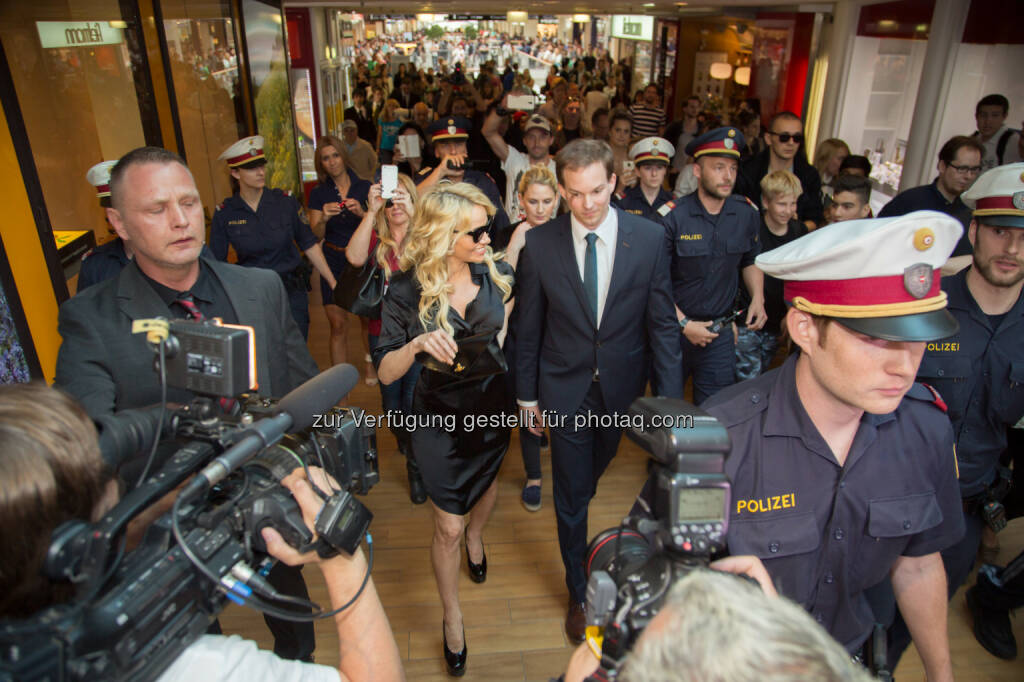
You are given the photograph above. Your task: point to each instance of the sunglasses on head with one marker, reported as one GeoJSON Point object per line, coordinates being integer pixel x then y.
{"type": "Point", "coordinates": [478, 232]}
{"type": "Point", "coordinates": [786, 137]}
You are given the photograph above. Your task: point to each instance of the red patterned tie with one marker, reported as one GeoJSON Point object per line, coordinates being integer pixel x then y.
{"type": "Point", "coordinates": [187, 302]}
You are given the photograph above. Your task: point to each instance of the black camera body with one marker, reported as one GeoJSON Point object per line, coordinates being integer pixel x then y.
{"type": "Point", "coordinates": [683, 524]}
{"type": "Point", "coordinates": [134, 613]}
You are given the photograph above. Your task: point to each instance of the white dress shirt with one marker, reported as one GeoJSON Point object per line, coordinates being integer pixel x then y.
{"type": "Point", "coordinates": [607, 232]}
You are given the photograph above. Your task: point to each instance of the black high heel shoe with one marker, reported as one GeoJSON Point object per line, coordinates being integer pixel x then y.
{"type": "Point", "coordinates": [477, 572]}
{"type": "Point", "coordinates": [456, 662]}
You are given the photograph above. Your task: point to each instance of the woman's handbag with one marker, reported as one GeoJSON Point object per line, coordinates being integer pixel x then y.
{"type": "Point", "coordinates": [361, 290]}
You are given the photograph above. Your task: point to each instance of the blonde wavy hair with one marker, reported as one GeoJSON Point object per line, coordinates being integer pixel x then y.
{"type": "Point", "coordinates": [386, 243]}
{"type": "Point", "coordinates": [442, 216]}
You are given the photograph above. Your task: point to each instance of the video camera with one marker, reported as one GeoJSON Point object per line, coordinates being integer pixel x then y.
{"type": "Point", "coordinates": [631, 568]}
{"type": "Point", "coordinates": [134, 613]}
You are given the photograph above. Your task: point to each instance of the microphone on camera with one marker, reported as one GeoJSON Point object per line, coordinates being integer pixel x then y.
{"type": "Point", "coordinates": [298, 411]}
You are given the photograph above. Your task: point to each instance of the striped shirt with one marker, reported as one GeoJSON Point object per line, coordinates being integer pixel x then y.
{"type": "Point", "coordinates": [646, 120]}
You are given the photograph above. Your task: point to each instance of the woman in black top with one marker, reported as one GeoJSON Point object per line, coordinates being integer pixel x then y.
{"type": "Point", "coordinates": [448, 307]}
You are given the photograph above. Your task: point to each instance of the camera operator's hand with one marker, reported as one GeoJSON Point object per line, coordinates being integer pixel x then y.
{"type": "Point", "coordinates": [697, 333]}
{"type": "Point", "coordinates": [310, 504]}
{"type": "Point", "coordinates": [749, 565]}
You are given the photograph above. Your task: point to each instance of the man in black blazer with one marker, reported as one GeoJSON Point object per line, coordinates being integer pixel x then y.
{"type": "Point", "coordinates": [361, 113]}
{"type": "Point", "coordinates": [156, 206]}
{"type": "Point", "coordinates": [594, 300]}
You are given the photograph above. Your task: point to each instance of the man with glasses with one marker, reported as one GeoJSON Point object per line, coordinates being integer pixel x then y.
{"type": "Point", "coordinates": [785, 137]}
{"type": "Point", "coordinates": [959, 166]}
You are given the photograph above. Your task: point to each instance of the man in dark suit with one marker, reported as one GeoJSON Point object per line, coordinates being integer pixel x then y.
{"type": "Point", "coordinates": [360, 113]}
{"type": "Point", "coordinates": [594, 304]}
{"type": "Point", "coordinates": [156, 207]}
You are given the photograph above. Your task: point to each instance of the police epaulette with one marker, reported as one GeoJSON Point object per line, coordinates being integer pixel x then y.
{"type": "Point", "coordinates": [666, 208]}
{"type": "Point", "coordinates": [927, 394]}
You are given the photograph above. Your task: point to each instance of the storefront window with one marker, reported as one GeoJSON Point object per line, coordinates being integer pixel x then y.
{"type": "Point", "coordinates": [73, 79]}
{"type": "Point", "coordinates": [205, 71]}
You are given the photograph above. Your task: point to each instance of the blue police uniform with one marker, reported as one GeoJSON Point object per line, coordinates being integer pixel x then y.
{"type": "Point", "coordinates": [341, 227]}
{"type": "Point", "coordinates": [707, 253]}
{"type": "Point", "coordinates": [633, 201]}
{"type": "Point", "coordinates": [827, 532]}
{"type": "Point", "coordinates": [979, 372]}
{"type": "Point", "coordinates": [103, 262]}
{"type": "Point", "coordinates": [929, 198]}
{"type": "Point", "coordinates": [266, 238]}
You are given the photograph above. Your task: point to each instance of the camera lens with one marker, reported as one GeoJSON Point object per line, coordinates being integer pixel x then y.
{"type": "Point", "coordinates": [613, 551]}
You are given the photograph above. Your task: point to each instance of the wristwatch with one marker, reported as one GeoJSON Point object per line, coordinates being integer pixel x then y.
{"type": "Point", "coordinates": [683, 322]}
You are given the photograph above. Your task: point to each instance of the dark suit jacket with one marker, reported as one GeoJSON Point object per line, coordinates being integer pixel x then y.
{"type": "Point", "coordinates": [808, 205]}
{"type": "Point", "coordinates": [367, 127]}
{"type": "Point", "coordinates": [557, 343]}
{"type": "Point", "coordinates": [107, 368]}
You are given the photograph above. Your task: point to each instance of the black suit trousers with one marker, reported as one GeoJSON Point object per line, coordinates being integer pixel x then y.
{"type": "Point", "coordinates": [578, 458]}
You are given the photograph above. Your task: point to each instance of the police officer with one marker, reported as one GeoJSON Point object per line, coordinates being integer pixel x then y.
{"type": "Point", "coordinates": [448, 137]}
{"type": "Point", "coordinates": [979, 371]}
{"type": "Point", "coordinates": [107, 259]}
{"type": "Point", "coordinates": [650, 157]}
{"type": "Point", "coordinates": [842, 468]}
{"type": "Point", "coordinates": [263, 225]}
{"type": "Point", "coordinates": [712, 237]}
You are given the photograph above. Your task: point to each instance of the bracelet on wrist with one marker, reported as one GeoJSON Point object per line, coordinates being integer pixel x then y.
{"type": "Point", "coordinates": [683, 322]}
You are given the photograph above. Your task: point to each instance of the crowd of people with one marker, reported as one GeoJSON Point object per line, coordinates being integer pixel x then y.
{"type": "Point", "coordinates": [551, 260]}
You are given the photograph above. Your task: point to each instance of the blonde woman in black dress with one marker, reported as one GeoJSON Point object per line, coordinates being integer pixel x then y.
{"type": "Point", "coordinates": [452, 298]}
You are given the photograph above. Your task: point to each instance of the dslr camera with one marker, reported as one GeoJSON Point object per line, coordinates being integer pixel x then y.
{"type": "Point", "coordinates": [134, 612]}
{"type": "Point", "coordinates": [680, 524]}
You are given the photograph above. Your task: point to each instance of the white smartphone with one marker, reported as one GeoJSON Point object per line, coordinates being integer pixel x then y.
{"type": "Point", "coordinates": [409, 145]}
{"type": "Point", "coordinates": [388, 181]}
{"type": "Point", "coordinates": [521, 102]}
{"type": "Point", "coordinates": [628, 165]}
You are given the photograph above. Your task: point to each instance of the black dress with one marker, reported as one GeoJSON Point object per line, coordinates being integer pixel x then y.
{"type": "Point", "coordinates": [458, 457]}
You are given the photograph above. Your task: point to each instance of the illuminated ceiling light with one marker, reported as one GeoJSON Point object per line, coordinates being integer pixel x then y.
{"type": "Point", "coordinates": [118, 24]}
{"type": "Point", "coordinates": [721, 70]}
{"type": "Point", "coordinates": [742, 75]}
{"type": "Point", "coordinates": [517, 17]}
{"type": "Point", "coordinates": [648, 4]}
{"type": "Point", "coordinates": [682, 4]}
{"type": "Point", "coordinates": [921, 28]}
{"type": "Point", "coordinates": [886, 23]}
{"type": "Point", "coordinates": [581, 18]}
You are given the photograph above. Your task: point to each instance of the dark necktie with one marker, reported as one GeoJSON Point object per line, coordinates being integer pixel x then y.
{"type": "Point", "coordinates": [187, 301]}
{"type": "Point", "coordinates": [590, 273]}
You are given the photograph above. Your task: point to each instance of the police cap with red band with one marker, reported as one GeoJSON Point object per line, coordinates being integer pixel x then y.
{"type": "Point", "coordinates": [99, 177]}
{"type": "Point", "coordinates": [725, 141]}
{"type": "Point", "coordinates": [877, 276]}
{"type": "Point", "coordinates": [997, 197]}
{"type": "Point", "coordinates": [246, 153]}
{"type": "Point", "coordinates": [450, 128]}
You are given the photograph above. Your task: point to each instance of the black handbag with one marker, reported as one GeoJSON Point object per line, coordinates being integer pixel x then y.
{"type": "Point", "coordinates": [361, 290]}
{"type": "Point", "coordinates": [477, 358]}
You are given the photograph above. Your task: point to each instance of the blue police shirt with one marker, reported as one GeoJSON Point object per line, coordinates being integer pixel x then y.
{"type": "Point", "coordinates": [483, 182]}
{"type": "Point", "coordinates": [827, 532]}
{"type": "Point", "coordinates": [264, 238]}
{"type": "Point", "coordinates": [707, 253]}
{"type": "Point", "coordinates": [341, 227]}
{"type": "Point", "coordinates": [929, 198]}
{"type": "Point", "coordinates": [103, 262]}
{"type": "Point", "coordinates": [979, 372]}
{"type": "Point", "coordinates": [633, 201]}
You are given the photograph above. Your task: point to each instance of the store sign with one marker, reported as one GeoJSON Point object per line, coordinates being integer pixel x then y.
{"type": "Point", "coordinates": [632, 27]}
{"type": "Point", "coordinates": [78, 33]}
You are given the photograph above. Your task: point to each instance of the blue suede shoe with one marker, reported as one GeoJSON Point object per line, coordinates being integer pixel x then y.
{"type": "Point", "coordinates": [531, 497]}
